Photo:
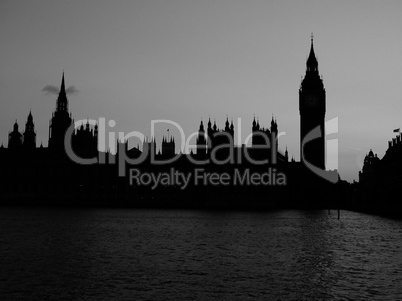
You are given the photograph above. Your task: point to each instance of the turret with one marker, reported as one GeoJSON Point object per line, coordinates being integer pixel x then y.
{"type": "Point", "coordinates": [227, 127]}
{"type": "Point", "coordinates": [201, 129]}
{"type": "Point", "coordinates": [274, 126]}
{"type": "Point", "coordinates": [60, 122]}
{"type": "Point", "coordinates": [29, 133]}
{"type": "Point", "coordinates": [15, 138]}
{"type": "Point", "coordinates": [286, 155]}
{"type": "Point", "coordinates": [62, 101]}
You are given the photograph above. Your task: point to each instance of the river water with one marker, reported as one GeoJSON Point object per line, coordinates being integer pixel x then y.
{"type": "Point", "coordinates": [128, 254]}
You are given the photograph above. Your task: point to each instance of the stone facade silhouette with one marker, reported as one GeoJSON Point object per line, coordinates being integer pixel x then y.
{"type": "Point", "coordinates": [312, 108]}
{"type": "Point", "coordinates": [54, 175]}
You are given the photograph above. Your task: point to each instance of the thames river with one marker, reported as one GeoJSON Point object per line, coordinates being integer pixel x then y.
{"type": "Point", "coordinates": [127, 254]}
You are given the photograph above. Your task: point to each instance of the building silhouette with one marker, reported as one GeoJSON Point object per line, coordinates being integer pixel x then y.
{"type": "Point", "coordinates": [312, 112]}
{"type": "Point", "coordinates": [149, 146]}
{"type": "Point", "coordinates": [218, 137]}
{"type": "Point", "coordinates": [380, 181]}
{"type": "Point", "coordinates": [370, 166]}
{"type": "Point", "coordinates": [55, 175]}
{"type": "Point", "coordinates": [168, 146]}
{"type": "Point", "coordinates": [263, 136]}
{"type": "Point", "coordinates": [60, 121]}
{"type": "Point", "coordinates": [201, 142]}
{"type": "Point", "coordinates": [29, 135]}
{"type": "Point", "coordinates": [84, 140]}
{"type": "Point", "coordinates": [15, 138]}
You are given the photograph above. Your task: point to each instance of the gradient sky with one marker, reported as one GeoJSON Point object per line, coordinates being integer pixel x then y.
{"type": "Point", "coordinates": [184, 60]}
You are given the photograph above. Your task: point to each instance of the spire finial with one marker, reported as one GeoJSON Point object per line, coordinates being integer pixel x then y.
{"type": "Point", "coordinates": [62, 88]}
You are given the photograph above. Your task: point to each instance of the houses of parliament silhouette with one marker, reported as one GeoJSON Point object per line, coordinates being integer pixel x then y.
{"type": "Point", "coordinates": [46, 175]}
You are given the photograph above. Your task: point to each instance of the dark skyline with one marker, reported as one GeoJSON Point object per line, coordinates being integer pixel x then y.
{"type": "Point", "coordinates": [185, 61]}
{"type": "Point", "coordinates": [174, 149]}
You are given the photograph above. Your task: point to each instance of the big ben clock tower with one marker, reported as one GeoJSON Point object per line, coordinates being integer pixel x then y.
{"type": "Point", "coordinates": [312, 114]}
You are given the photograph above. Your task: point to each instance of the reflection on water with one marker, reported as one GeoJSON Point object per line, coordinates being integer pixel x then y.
{"type": "Point", "coordinates": [195, 255]}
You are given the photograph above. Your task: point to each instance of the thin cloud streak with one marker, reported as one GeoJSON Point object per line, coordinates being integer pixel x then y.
{"type": "Point", "coordinates": [53, 90]}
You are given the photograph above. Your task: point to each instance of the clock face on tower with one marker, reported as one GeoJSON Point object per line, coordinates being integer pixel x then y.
{"type": "Point", "coordinates": [311, 100]}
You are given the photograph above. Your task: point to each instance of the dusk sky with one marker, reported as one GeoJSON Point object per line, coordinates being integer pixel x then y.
{"type": "Point", "coordinates": [184, 60]}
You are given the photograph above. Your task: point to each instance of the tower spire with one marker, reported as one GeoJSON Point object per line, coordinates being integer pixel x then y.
{"type": "Point", "coordinates": [62, 102]}
{"type": "Point", "coordinates": [312, 63]}
{"type": "Point", "coordinates": [312, 112]}
{"type": "Point", "coordinates": [63, 87]}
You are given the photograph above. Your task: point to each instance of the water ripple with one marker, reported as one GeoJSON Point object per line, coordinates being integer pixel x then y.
{"type": "Point", "coordinates": [189, 255]}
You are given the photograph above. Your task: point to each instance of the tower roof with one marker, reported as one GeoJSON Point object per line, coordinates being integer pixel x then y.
{"type": "Point", "coordinates": [30, 119]}
{"type": "Point", "coordinates": [62, 102]}
{"type": "Point", "coordinates": [272, 121]}
{"type": "Point", "coordinates": [312, 80]}
{"type": "Point", "coordinates": [63, 87]}
{"type": "Point", "coordinates": [312, 63]}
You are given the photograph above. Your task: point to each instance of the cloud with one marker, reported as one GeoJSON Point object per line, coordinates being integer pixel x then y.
{"type": "Point", "coordinates": [50, 89]}
{"type": "Point", "coordinates": [71, 90]}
